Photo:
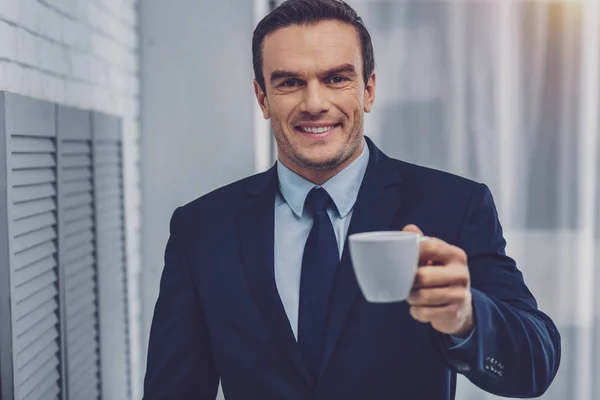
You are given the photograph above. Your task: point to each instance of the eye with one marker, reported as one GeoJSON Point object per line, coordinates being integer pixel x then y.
{"type": "Point", "coordinates": [337, 79]}
{"type": "Point", "coordinates": [291, 83]}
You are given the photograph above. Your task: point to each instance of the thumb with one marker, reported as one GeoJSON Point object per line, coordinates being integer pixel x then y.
{"type": "Point", "coordinates": [412, 228]}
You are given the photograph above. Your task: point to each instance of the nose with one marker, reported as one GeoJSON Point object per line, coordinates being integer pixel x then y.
{"type": "Point", "coordinates": [315, 100]}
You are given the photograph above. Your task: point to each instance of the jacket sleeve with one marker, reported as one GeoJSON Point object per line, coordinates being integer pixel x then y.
{"type": "Point", "coordinates": [180, 362]}
{"type": "Point", "coordinates": [515, 350]}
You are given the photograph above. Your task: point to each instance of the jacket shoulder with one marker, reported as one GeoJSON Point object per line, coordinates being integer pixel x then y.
{"type": "Point", "coordinates": [434, 179]}
{"type": "Point", "coordinates": [228, 197]}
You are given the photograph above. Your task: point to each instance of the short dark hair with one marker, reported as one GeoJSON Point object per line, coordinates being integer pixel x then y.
{"type": "Point", "coordinates": [310, 12]}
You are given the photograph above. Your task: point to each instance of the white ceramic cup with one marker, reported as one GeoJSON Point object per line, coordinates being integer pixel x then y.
{"type": "Point", "coordinates": [385, 263]}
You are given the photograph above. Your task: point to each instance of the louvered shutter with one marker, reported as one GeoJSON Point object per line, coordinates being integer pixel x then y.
{"type": "Point", "coordinates": [77, 254]}
{"type": "Point", "coordinates": [63, 290]}
{"type": "Point", "coordinates": [30, 134]}
{"type": "Point", "coordinates": [110, 239]}
{"type": "Point", "coordinates": [6, 370]}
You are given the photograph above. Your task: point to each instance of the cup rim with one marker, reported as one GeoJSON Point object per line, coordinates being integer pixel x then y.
{"type": "Point", "coordinates": [383, 236]}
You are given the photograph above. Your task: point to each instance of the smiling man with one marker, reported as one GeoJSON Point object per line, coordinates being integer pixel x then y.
{"type": "Point", "coordinates": [258, 289]}
{"type": "Point", "coordinates": [315, 95]}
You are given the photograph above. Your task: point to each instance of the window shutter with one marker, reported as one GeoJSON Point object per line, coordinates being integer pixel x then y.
{"type": "Point", "coordinates": [30, 134]}
{"type": "Point", "coordinates": [77, 254]}
{"type": "Point", "coordinates": [110, 239]}
{"type": "Point", "coordinates": [64, 330]}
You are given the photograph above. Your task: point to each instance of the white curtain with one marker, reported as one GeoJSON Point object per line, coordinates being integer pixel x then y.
{"type": "Point", "coordinates": [507, 93]}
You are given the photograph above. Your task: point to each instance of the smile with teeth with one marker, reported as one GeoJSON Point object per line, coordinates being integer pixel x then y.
{"type": "Point", "coordinates": [323, 129]}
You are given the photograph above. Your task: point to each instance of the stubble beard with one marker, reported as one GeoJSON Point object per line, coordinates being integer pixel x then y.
{"type": "Point", "coordinates": [294, 152]}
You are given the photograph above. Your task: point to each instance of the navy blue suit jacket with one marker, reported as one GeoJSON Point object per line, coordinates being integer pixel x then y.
{"type": "Point", "coordinates": [219, 315]}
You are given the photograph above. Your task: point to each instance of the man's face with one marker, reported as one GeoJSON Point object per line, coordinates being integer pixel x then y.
{"type": "Point", "coordinates": [315, 95]}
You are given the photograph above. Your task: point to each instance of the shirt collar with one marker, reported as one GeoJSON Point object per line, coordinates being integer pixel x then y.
{"type": "Point", "coordinates": [343, 187]}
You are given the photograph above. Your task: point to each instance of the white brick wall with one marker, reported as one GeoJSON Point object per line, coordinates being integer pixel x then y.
{"type": "Point", "coordinates": [84, 53]}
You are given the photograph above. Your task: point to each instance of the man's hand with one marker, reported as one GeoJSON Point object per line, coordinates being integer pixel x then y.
{"type": "Point", "coordinates": [441, 293]}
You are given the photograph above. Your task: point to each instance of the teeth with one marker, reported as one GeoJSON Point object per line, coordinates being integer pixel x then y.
{"type": "Point", "coordinates": [318, 130]}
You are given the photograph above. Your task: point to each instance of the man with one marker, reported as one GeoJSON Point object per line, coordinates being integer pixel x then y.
{"type": "Point", "coordinates": [258, 289]}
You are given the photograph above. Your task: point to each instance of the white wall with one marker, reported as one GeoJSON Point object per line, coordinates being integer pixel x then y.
{"type": "Point", "coordinates": [198, 113]}
{"type": "Point", "coordinates": [83, 53]}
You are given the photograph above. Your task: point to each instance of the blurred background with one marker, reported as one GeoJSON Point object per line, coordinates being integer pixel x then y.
{"type": "Point", "coordinates": [115, 112]}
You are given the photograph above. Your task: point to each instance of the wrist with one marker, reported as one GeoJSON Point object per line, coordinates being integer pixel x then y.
{"type": "Point", "coordinates": [465, 330]}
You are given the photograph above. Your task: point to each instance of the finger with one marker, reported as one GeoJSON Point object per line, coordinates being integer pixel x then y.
{"type": "Point", "coordinates": [434, 250]}
{"type": "Point", "coordinates": [432, 297]}
{"type": "Point", "coordinates": [412, 228]}
{"type": "Point", "coordinates": [448, 275]}
{"type": "Point", "coordinates": [429, 314]}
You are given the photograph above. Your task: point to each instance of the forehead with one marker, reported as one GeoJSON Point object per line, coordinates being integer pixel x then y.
{"type": "Point", "coordinates": [312, 47]}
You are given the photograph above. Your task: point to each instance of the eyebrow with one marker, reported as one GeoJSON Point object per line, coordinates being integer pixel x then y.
{"type": "Point", "coordinates": [342, 69]}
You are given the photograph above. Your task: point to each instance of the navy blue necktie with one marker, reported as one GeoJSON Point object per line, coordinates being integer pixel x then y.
{"type": "Point", "coordinates": [319, 264]}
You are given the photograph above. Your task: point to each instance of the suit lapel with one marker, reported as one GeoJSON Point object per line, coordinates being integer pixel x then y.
{"type": "Point", "coordinates": [256, 226]}
{"type": "Point", "coordinates": [379, 199]}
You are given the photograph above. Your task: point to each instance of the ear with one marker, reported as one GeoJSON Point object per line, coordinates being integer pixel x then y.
{"type": "Point", "coordinates": [370, 92]}
{"type": "Point", "coordinates": [261, 97]}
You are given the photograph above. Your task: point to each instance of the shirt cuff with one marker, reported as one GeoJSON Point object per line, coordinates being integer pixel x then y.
{"type": "Point", "coordinates": [458, 343]}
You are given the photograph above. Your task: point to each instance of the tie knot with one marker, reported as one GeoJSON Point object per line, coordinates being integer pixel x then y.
{"type": "Point", "coordinates": [318, 200]}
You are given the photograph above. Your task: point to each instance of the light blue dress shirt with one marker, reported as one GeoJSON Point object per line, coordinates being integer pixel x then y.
{"type": "Point", "coordinates": [292, 226]}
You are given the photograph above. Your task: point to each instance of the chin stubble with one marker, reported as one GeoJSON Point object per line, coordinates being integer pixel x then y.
{"type": "Point", "coordinates": [294, 153]}
{"type": "Point", "coordinates": [330, 164]}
